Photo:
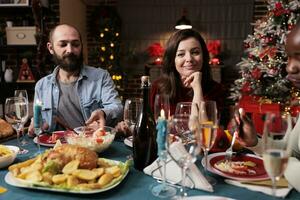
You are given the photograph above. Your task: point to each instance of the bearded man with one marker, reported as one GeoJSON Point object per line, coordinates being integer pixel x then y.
{"type": "Point", "coordinates": [75, 93]}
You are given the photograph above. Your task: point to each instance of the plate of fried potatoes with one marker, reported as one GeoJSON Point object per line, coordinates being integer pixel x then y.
{"type": "Point", "coordinates": [70, 174]}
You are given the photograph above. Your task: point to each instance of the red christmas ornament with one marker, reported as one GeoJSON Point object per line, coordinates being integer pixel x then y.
{"type": "Point", "coordinates": [246, 87]}
{"type": "Point", "coordinates": [256, 73]}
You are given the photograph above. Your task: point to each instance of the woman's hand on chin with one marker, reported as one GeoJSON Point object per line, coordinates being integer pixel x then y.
{"type": "Point", "coordinates": [193, 80]}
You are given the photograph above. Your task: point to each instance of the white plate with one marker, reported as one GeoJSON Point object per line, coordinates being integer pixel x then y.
{"type": "Point", "coordinates": [11, 180]}
{"type": "Point", "coordinates": [206, 197]}
{"type": "Point", "coordinates": [128, 141]}
{"type": "Point", "coordinates": [234, 177]}
{"type": "Point", "coordinates": [43, 144]}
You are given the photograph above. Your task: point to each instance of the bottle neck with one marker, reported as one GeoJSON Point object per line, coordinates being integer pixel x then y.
{"type": "Point", "coordinates": [145, 96]}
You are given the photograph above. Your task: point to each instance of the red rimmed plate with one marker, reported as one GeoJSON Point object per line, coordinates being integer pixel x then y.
{"type": "Point", "coordinates": [261, 173]}
{"type": "Point", "coordinates": [50, 140]}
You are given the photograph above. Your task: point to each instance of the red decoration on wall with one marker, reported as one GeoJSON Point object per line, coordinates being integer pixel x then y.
{"type": "Point", "coordinates": [25, 73]}
{"type": "Point", "coordinates": [156, 51]}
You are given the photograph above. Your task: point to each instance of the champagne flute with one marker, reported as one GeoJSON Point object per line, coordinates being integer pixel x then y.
{"type": "Point", "coordinates": [132, 109]}
{"type": "Point", "coordinates": [275, 139]}
{"type": "Point", "coordinates": [183, 112]}
{"type": "Point", "coordinates": [161, 116]}
{"type": "Point", "coordinates": [209, 125]}
{"type": "Point", "coordinates": [23, 93]}
{"type": "Point", "coordinates": [185, 123]}
{"type": "Point", "coordinates": [16, 113]}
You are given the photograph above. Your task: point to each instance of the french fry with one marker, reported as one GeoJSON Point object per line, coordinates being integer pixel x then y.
{"type": "Point", "coordinates": [89, 186]}
{"type": "Point", "coordinates": [47, 177]}
{"type": "Point", "coordinates": [102, 163]}
{"type": "Point", "coordinates": [34, 176]}
{"type": "Point", "coordinates": [70, 167]}
{"type": "Point", "coordinates": [114, 170]}
{"type": "Point", "coordinates": [22, 164]}
{"type": "Point", "coordinates": [59, 178]}
{"type": "Point", "coordinates": [99, 171]}
{"type": "Point", "coordinates": [105, 179]}
{"type": "Point", "coordinates": [72, 181]}
{"type": "Point", "coordinates": [85, 174]}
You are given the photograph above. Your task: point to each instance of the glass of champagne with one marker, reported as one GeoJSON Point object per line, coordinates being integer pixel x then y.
{"type": "Point", "coordinates": [208, 119]}
{"type": "Point", "coordinates": [16, 113]}
{"type": "Point", "coordinates": [23, 93]}
{"type": "Point", "coordinates": [275, 140]}
{"type": "Point", "coordinates": [132, 109]}
{"type": "Point", "coordinates": [186, 126]}
{"type": "Point", "coordinates": [162, 116]}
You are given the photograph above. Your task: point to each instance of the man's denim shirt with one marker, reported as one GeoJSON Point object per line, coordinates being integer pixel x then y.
{"type": "Point", "coordinates": [96, 90]}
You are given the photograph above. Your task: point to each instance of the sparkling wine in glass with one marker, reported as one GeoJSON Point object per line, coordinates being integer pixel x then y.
{"type": "Point", "coordinates": [275, 138]}
{"type": "Point", "coordinates": [162, 116]}
{"type": "Point", "coordinates": [208, 119]}
{"type": "Point", "coordinates": [186, 125]}
{"type": "Point", "coordinates": [16, 113]}
{"type": "Point", "coordinates": [23, 138]}
{"type": "Point", "coordinates": [132, 109]}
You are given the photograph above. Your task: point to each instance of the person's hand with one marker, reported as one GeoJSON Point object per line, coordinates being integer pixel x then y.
{"type": "Point", "coordinates": [247, 135]}
{"type": "Point", "coordinates": [97, 116]}
{"type": "Point", "coordinates": [45, 126]}
{"type": "Point", "coordinates": [123, 128]}
{"type": "Point", "coordinates": [193, 80]}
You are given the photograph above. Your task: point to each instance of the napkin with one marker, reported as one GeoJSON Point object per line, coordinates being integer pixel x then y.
{"type": "Point", "coordinates": [280, 192]}
{"type": "Point", "coordinates": [194, 179]}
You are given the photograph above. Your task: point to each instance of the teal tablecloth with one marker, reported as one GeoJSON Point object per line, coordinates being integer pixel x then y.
{"type": "Point", "coordinates": [134, 186]}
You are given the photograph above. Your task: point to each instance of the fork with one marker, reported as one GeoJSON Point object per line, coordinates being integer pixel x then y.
{"type": "Point", "coordinates": [229, 151]}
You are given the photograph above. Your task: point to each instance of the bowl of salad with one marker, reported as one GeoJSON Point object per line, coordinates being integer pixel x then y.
{"type": "Point", "coordinates": [98, 140]}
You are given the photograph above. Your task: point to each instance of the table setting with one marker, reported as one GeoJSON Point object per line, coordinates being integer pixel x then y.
{"type": "Point", "coordinates": [129, 183]}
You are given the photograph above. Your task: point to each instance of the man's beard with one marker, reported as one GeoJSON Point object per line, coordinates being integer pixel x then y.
{"type": "Point", "coordinates": [70, 62]}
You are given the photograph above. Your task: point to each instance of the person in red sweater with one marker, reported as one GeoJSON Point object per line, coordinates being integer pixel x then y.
{"type": "Point", "coordinates": [186, 74]}
{"type": "Point", "coordinates": [186, 77]}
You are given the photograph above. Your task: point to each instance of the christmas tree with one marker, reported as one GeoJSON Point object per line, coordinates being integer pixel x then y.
{"type": "Point", "coordinates": [262, 69]}
{"type": "Point", "coordinates": [107, 30]}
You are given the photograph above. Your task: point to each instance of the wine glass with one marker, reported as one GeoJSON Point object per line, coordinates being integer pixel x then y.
{"type": "Point", "coordinates": [275, 140]}
{"type": "Point", "coordinates": [22, 93]}
{"type": "Point", "coordinates": [183, 112]}
{"type": "Point", "coordinates": [16, 113]}
{"type": "Point", "coordinates": [132, 109]}
{"type": "Point", "coordinates": [209, 125]}
{"type": "Point", "coordinates": [161, 116]}
{"type": "Point", "coordinates": [186, 126]}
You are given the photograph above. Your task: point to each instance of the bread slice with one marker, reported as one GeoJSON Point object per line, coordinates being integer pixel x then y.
{"type": "Point", "coordinates": [6, 129]}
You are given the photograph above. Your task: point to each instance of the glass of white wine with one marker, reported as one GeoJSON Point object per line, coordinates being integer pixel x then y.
{"type": "Point", "coordinates": [16, 113]}
{"type": "Point", "coordinates": [208, 118]}
{"type": "Point", "coordinates": [275, 140]}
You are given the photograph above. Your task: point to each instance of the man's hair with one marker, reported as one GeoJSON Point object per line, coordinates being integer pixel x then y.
{"type": "Point", "coordinates": [54, 29]}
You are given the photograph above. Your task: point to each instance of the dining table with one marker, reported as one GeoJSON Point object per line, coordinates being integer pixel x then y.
{"type": "Point", "coordinates": [134, 186]}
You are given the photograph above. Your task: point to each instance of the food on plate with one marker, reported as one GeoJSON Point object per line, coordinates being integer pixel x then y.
{"type": "Point", "coordinates": [4, 151]}
{"type": "Point", "coordinates": [70, 167]}
{"type": "Point", "coordinates": [236, 167]}
{"type": "Point", "coordinates": [98, 140]}
{"type": "Point", "coordinates": [5, 129]}
{"type": "Point", "coordinates": [54, 137]}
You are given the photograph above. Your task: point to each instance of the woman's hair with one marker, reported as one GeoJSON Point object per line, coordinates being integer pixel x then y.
{"type": "Point", "coordinates": [171, 82]}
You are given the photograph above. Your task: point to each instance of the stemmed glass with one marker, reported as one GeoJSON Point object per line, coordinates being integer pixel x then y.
{"type": "Point", "coordinates": [208, 119]}
{"type": "Point", "coordinates": [16, 113]}
{"type": "Point", "coordinates": [22, 93]}
{"type": "Point", "coordinates": [185, 123]}
{"type": "Point", "coordinates": [275, 139]}
{"type": "Point", "coordinates": [132, 109]}
{"type": "Point", "coordinates": [162, 116]}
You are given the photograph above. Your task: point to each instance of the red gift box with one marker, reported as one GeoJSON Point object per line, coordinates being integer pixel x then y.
{"type": "Point", "coordinates": [251, 104]}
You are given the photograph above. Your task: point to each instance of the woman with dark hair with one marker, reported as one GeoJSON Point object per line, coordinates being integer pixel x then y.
{"type": "Point", "coordinates": [186, 74]}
